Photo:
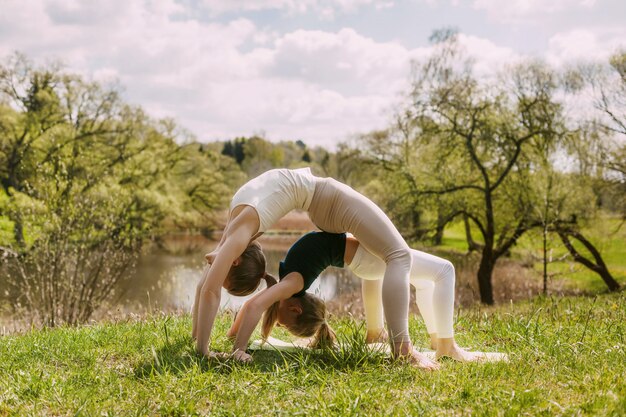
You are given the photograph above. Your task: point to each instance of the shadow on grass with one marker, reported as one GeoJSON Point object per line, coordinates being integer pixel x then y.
{"type": "Point", "coordinates": [178, 357]}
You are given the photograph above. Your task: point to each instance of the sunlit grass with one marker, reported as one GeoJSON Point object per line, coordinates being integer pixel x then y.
{"type": "Point", "coordinates": [568, 357]}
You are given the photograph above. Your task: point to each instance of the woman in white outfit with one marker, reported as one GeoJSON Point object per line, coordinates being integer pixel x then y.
{"type": "Point", "coordinates": [333, 207]}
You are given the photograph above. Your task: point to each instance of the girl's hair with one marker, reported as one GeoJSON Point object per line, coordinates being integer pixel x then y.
{"type": "Point", "coordinates": [244, 278]}
{"type": "Point", "coordinates": [311, 322]}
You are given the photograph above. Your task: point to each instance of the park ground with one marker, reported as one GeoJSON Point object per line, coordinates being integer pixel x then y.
{"type": "Point", "coordinates": [567, 357]}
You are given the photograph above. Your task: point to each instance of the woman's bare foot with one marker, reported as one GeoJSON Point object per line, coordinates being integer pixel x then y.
{"type": "Point", "coordinates": [376, 336]}
{"type": "Point", "coordinates": [448, 347]}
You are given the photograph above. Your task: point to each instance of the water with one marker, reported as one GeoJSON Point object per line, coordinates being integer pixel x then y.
{"type": "Point", "coordinates": [165, 282]}
{"type": "Point", "coordinates": [166, 277]}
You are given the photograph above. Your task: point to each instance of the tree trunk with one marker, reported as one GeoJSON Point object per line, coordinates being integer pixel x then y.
{"type": "Point", "coordinates": [598, 267]}
{"type": "Point", "coordinates": [545, 260]}
{"type": "Point", "coordinates": [485, 271]}
{"type": "Point", "coordinates": [18, 231]}
{"type": "Point", "coordinates": [438, 237]}
{"type": "Point", "coordinates": [471, 244]}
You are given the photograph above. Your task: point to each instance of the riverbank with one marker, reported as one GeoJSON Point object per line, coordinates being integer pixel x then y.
{"type": "Point", "coordinates": [568, 357]}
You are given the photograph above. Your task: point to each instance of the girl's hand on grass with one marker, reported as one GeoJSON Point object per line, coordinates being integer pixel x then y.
{"type": "Point", "coordinates": [421, 361]}
{"type": "Point", "coordinates": [218, 355]}
{"type": "Point", "coordinates": [241, 356]}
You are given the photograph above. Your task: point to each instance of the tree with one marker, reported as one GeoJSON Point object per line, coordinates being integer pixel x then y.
{"type": "Point", "coordinates": [86, 179]}
{"type": "Point", "coordinates": [464, 143]}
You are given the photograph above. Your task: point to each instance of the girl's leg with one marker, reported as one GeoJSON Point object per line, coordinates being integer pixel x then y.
{"type": "Point", "coordinates": [371, 270]}
{"type": "Point", "coordinates": [372, 304]}
{"type": "Point", "coordinates": [434, 280]}
{"type": "Point", "coordinates": [424, 290]}
{"type": "Point", "coordinates": [441, 273]}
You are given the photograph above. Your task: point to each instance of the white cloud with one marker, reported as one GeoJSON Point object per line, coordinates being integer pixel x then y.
{"type": "Point", "coordinates": [325, 8]}
{"type": "Point", "coordinates": [517, 9]}
{"type": "Point", "coordinates": [222, 79]}
{"type": "Point", "coordinates": [489, 57]}
{"type": "Point", "coordinates": [218, 79]}
{"type": "Point", "coordinates": [585, 45]}
{"type": "Point", "coordinates": [344, 61]}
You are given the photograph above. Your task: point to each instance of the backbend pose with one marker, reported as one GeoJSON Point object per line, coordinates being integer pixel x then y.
{"type": "Point", "coordinates": [304, 314]}
{"type": "Point", "coordinates": [333, 207]}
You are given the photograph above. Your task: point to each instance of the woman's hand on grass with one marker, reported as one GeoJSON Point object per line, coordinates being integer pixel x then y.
{"type": "Point", "coordinates": [376, 336]}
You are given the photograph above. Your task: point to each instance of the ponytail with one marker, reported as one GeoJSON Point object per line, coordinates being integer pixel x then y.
{"type": "Point", "coordinates": [269, 280]}
{"type": "Point", "coordinates": [324, 338]}
{"type": "Point", "coordinates": [312, 322]}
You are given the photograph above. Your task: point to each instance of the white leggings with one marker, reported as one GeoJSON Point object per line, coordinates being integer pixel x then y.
{"type": "Point", "coordinates": [432, 277]}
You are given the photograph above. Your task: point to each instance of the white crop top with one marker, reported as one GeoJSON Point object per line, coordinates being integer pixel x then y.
{"type": "Point", "coordinates": [275, 193]}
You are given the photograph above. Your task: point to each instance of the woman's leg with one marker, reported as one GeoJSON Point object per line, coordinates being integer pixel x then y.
{"type": "Point", "coordinates": [370, 268]}
{"type": "Point", "coordinates": [424, 290]}
{"type": "Point", "coordinates": [338, 208]}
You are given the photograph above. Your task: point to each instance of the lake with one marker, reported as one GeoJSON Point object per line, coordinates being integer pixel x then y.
{"type": "Point", "coordinates": [167, 281]}
{"type": "Point", "coordinates": [168, 271]}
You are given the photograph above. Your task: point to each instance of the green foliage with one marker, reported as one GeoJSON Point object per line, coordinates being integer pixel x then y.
{"type": "Point", "coordinates": [567, 358]}
{"type": "Point", "coordinates": [256, 155]}
{"type": "Point", "coordinates": [499, 153]}
{"type": "Point", "coordinates": [86, 179]}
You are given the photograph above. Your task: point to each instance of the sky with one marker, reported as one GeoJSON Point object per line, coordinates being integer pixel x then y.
{"type": "Point", "coordinates": [320, 71]}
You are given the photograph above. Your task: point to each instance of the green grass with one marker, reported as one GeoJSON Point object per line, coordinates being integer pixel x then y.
{"type": "Point", "coordinates": [568, 357]}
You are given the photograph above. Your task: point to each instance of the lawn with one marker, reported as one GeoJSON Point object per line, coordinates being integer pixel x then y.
{"type": "Point", "coordinates": [568, 357]}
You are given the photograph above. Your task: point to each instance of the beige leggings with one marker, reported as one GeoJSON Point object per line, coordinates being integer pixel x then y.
{"type": "Point", "coordinates": [337, 208]}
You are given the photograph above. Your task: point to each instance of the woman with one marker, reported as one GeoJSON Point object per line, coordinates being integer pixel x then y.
{"type": "Point", "coordinates": [333, 207]}
{"type": "Point", "coordinates": [304, 314]}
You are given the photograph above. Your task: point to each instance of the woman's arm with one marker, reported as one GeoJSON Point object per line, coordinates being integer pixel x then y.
{"type": "Point", "coordinates": [239, 232]}
{"type": "Point", "coordinates": [251, 313]}
{"type": "Point", "coordinates": [194, 309]}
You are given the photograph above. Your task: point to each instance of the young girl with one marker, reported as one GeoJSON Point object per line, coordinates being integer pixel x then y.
{"type": "Point", "coordinates": [333, 207]}
{"type": "Point", "coordinates": [304, 314]}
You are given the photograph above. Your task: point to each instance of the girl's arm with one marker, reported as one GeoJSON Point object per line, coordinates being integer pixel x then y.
{"type": "Point", "coordinates": [238, 235]}
{"type": "Point", "coordinates": [251, 313]}
{"type": "Point", "coordinates": [234, 329]}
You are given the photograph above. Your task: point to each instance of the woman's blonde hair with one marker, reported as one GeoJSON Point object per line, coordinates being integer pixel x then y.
{"type": "Point", "coordinates": [245, 277]}
{"type": "Point", "coordinates": [311, 322]}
